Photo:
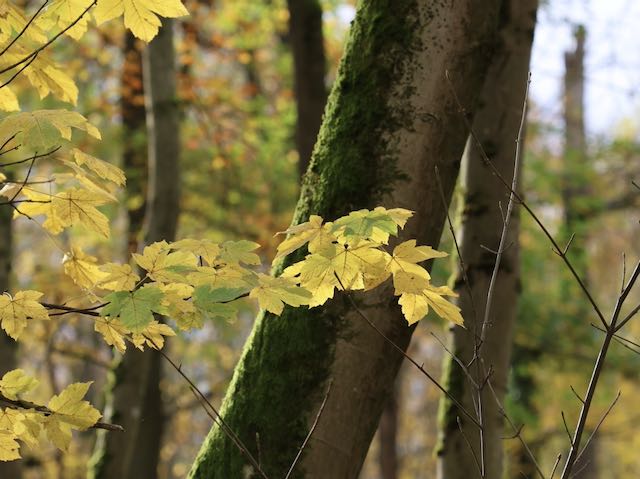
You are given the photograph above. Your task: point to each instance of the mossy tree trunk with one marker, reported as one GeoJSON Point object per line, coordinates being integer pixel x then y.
{"type": "Point", "coordinates": [136, 394]}
{"type": "Point", "coordinates": [309, 64]}
{"type": "Point", "coordinates": [496, 123]}
{"type": "Point", "coordinates": [8, 347]}
{"type": "Point", "coordinates": [389, 121]}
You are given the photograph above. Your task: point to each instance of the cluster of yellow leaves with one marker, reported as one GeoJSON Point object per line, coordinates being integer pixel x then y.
{"type": "Point", "coordinates": [24, 37]}
{"type": "Point", "coordinates": [349, 254]}
{"type": "Point", "coordinates": [27, 422]}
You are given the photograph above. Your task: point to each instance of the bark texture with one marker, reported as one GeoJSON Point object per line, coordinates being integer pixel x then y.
{"type": "Point", "coordinates": [8, 347]}
{"type": "Point", "coordinates": [305, 32]}
{"type": "Point", "coordinates": [496, 124]}
{"type": "Point", "coordinates": [389, 121]}
{"type": "Point", "coordinates": [388, 435]}
{"type": "Point", "coordinates": [136, 395]}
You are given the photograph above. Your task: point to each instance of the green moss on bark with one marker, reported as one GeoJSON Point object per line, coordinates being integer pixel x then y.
{"type": "Point", "coordinates": [279, 381]}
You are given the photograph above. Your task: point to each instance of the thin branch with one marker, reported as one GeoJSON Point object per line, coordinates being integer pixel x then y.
{"type": "Point", "coordinates": [24, 29]}
{"type": "Point", "coordinates": [471, 450]}
{"type": "Point", "coordinates": [223, 425]}
{"type": "Point", "coordinates": [507, 217]}
{"type": "Point", "coordinates": [595, 430]}
{"type": "Point", "coordinates": [313, 428]}
{"type": "Point", "coordinates": [37, 51]}
{"type": "Point", "coordinates": [34, 157]}
{"type": "Point", "coordinates": [521, 201]}
{"type": "Point", "coordinates": [555, 466]}
{"type": "Point", "coordinates": [22, 404]}
{"type": "Point", "coordinates": [408, 358]}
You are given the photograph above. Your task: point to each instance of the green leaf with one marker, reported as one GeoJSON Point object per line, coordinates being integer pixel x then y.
{"type": "Point", "coordinates": [205, 296]}
{"type": "Point", "coordinates": [135, 308]}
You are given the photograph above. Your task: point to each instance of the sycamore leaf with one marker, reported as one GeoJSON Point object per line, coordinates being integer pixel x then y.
{"type": "Point", "coordinates": [415, 306]}
{"type": "Point", "coordinates": [204, 296]}
{"type": "Point", "coordinates": [374, 225]}
{"type": "Point", "coordinates": [82, 268]}
{"type": "Point", "coordinates": [205, 249]}
{"type": "Point", "coordinates": [272, 293]}
{"type": "Point", "coordinates": [79, 206]}
{"type": "Point", "coordinates": [118, 277]}
{"type": "Point", "coordinates": [9, 447]}
{"type": "Point", "coordinates": [239, 252]}
{"type": "Point", "coordinates": [104, 170]}
{"type": "Point", "coordinates": [14, 311]}
{"type": "Point", "coordinates": [70, 411]}
{"type": "Point", "coordinates": [230, 276]}
{"type": "Point", "coordinates": [46, 76]}
{"type": "Point", "coordinates": [299, 235]}
{"type": "Point", "coordinates": [134, 308]}
{"type": "Point", "coordinates": [42, 130]}
{"type": "Point", "coordinates": [62, 13]}
{"type": "Point", "coordinates": [340, 266]}
{"type": "Point", "coordinates": [13, 20]}
{"type": "Point", "coordinates": [8, 100]}
{"type": "Point", "coordinates": [208, 301]}
{"type": "Point", "coordinates": [140, 16]}
{"type": "Point", "coordinates": [163, 266]}
{"type": "Point", "coordinates": [153, 335]}
{"type": "Point", "coordinates": [112, 331]}
{"type": "Point", "coordinates": [16, 382]}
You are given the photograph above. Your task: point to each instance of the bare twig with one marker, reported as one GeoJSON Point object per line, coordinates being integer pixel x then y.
{"type": "Point", "coordinates": [528, 209]}
{"type": "Point", "coordinates": [435, 382]}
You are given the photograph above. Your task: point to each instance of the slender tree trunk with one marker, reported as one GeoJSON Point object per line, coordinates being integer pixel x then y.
{"type": "Point", "coordinates": [496, 124]}
{"type": "Point", "coordinates": [388, 437]}
{"type": "Point", "coordinates": [137, 399]}
{"type": "Point", "coordinates": [577, 170]}
{"type": "Point", "coordinates": [8, 347]}
{"type": "Point", "coordinates": [305, 32]}
{"type": "Point", "coordinates": [389, 121]}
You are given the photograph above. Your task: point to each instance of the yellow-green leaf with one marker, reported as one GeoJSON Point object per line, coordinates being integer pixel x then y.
{"type": "Point", "coordinates": [14, 311]}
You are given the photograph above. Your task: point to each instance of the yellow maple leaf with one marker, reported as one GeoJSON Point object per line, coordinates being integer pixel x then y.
{"type": "Point", "coordinates": [272, 293]}
{"type": "Point", "coordinates": [104, 170]}
{"type": "Point", "coordinates": [119, 277]}
{"type": "Point", "coordinates": [62, 13]}
{"type": "Point", "coordinates": [163, 266]}
{"type": "Point", "coordinates": [82, 268]}
{"type": "Point", "coordinates": [69, 411]}
{"type": "Point", "coordinates": [78, 206]}
{"type": "Point", "coordinates": [14, 311]}
{"type": "Point", "coordinates": [112, 331]}
{"type": "Point", "coordinates": [299, 235]}
{"type": "Point", "coordinates": [205, 249]}
{"type": "Point", "coordinates": [8, 100]}
{"type": "Point", "coordinates": [140, 16]}
{"type": "Point", "coordinates": [9, 447]}
{"type": "Point", "coordinates": [415, 306]}
{"type": "Point", "coordinates": [153, 335]}
{"type": "Point", "coordinates": [16, 382]}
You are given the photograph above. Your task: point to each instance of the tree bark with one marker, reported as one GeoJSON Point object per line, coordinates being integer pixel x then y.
{"type": "Point", "coordinates": [8, 347]}
{"type": "Point", "coordinates": [496, 125]}
{"type": "Point", "coordinates": [388, 435]}
{"type": "Point", "coordinates": [305, 31]}
{"type": "Point", "coordinates": [389, 121]}
{"type": "Point", "coordinates": [137, 398]}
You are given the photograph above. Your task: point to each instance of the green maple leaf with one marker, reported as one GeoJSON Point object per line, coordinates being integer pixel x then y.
{"type": "Point", "coordinates": [135, 308]}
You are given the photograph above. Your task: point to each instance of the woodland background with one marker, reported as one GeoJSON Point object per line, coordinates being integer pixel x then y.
{"type": "Point", "coordinates": [241, 163]}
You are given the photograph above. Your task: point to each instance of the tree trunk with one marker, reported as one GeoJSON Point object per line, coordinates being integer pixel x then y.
{"type": "Point", "coordinates": [8, 347]}
{"type": "Point", "coordinates": [305, 31]}
{"type": "Point", "coordinates": [496, 124]}
{"type": "Point", "coordinates": [137, 399]}
{"type": "Point", "coordinates": [388, 435]}
{"type": "Point", "coordinates": [390, 120]}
